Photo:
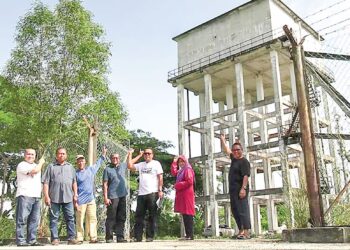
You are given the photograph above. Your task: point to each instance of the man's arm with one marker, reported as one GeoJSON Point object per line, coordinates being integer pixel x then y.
{"type": "Point", "coordinates": [46, 194]}
{"type": "Point", "coordinates": [243, 192]}
{"type": "Point", "coordinates": [131, 161]}
{"type": "Point", "coordinates": [224, 145]}
{"type": "Point", "coordinates": [100, 160]}
{"type": "Point", "coordinates": [160, 185]}
{"type": "Point", "coordinates": [38, 167]}
{"type": "Point", "coordinates": [105, 193]}
{"type": "Point", "coordinates": [75, 193]}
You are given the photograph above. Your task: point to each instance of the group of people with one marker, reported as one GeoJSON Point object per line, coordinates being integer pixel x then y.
{"type": "Point", "coordinates": [69, 189]}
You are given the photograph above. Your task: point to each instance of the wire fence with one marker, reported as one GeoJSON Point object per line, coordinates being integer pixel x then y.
{"type": "Point", "coordinates": [7, 225]}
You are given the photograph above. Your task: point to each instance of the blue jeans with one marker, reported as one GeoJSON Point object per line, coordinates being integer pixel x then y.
{"type": "Point", "coordinates": [27, 216]}
{"type": "Point", "coordinates": [68, 212]}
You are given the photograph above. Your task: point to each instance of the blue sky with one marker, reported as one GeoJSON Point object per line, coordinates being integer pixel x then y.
{"type": "Point", "coordinates": [143, 51]}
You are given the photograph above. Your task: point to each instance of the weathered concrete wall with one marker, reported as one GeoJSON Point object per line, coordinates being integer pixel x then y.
{"type": "Point", "coordinates": [230, 29]}
{"type": "Point", "coordinates": [261, 19]}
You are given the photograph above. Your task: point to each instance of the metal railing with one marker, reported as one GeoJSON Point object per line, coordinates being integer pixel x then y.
{"type": "Point", "coordinates": [224, 54]}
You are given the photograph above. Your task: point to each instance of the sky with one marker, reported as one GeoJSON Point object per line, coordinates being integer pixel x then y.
{"type": "Point", "coordinates": [143, 51]}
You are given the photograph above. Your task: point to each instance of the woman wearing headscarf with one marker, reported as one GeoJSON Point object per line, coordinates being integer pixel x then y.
{"type": "Point", "coordinates": [184, 197]}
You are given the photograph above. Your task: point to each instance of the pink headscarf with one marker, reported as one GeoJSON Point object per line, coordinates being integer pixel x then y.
{"type": "Point", "coordinates": [181, 172]}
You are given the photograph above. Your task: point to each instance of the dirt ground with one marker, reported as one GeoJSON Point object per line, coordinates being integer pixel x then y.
{"type": "Point", "coordinates": [256, 244]}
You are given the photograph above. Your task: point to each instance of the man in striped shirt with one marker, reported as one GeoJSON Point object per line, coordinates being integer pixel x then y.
{"type": "Point", "coordinates": [86, 199]}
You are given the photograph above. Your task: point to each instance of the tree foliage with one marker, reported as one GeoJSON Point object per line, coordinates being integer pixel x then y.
{"type": "Point", "coordinates": [57, 74]}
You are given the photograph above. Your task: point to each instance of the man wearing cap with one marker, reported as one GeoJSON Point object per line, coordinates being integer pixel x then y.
{"type": "Point", "coordinates": [86, 199]}
{"type": "Point", "coordinates": [114, 192]}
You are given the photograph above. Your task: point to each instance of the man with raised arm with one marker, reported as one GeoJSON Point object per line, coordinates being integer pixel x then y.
{"type": "Point", "coordinates": [86, 205]}
{"type": "Point", "coordinates": [114, 193]}
{"type": "Point", "coordinates": [150, 190]}
{"type": "Point", "coordinates": [28, 199]}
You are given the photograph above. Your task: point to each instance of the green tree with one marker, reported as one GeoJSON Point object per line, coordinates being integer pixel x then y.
{"type": "Point", "coordinates": [58, 72]}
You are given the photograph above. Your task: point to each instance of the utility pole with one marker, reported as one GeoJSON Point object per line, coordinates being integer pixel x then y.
{"type": "Point", "coordinates": [307, 136]}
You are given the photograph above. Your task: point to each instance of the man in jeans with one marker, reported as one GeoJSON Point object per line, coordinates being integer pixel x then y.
{"type": "Point", "coordinates": [28, 199]}
{"type": "Point", "coordinates": [60, 191]}
{"type": "Point", "coordinates": [114, 193]}
{"type": "Point", "coordinates": [150, 189]}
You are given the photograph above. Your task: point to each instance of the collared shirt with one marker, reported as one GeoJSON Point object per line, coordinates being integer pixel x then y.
{"type": "Point", "coordinates": [86, 180]}
{"type": "Point", "coordinates": [60, 179]}
{"type": "Point", "coordinates": [28, 185]}
{"type": "Point", "coordinates": [115, 177]}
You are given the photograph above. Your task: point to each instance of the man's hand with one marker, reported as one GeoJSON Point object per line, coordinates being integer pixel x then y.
{"type": "Point", "coordinates": [242, 193]}
{"type": "Point", "coordinates": [75, 198]}
{"type": "Point", "coordinates": [107, 202]}
{"type": "Point", "coordinates": [41, 160]}
{"type": "Point", "coordinates": [222, 137]}
{"type": "Point", "coordinates": [104, 151]}
{"type": "Point", "coordinates": [48, 201]}
{"type": "Point", "coordinates": [141, 152]}
{"type": "Point", "coordinates": [160, 194]}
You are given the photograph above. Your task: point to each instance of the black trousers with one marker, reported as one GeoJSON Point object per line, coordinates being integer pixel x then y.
{"type": "Point", "coordinates": [188, 222]}
{"type": "Point", "coordinates": [145, 203]}
{"type": "Point", "coordinates": [115, 221]}
{"type": "Point", "coordinates": [240, 210]}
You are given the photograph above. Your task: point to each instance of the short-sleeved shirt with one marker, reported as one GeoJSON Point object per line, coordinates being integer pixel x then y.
{"type": "Point", "coordinates": [115, 177]}
{"type": "Point", "coordinates": [60, 179]}
{"type": "Point", "coordinates": [86, 182]}
{"type": "Point", "coordinates": [28, 185]}
{"type": "Point", "coordinates": [239, 168]}
{"type": "Point", "coordinates": [148, 176]}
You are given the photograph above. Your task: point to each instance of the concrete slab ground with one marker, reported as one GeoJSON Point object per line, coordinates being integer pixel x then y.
{"type": "Point", "coordinates": [317, 235]}
{"type": "Point", "coordinates": [256, 244]}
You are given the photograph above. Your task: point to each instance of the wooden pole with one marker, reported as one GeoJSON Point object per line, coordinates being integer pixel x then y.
{"type": "Point", "coordinates": [307, 137]}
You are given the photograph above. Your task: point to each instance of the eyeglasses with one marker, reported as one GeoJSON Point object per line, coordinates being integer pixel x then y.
{"type": "Point", "coordinates": [147, 153]}
{"type": "Point", "coordinates": [115, 157]}
{"type": "Point", "coordinates": [236, 149]}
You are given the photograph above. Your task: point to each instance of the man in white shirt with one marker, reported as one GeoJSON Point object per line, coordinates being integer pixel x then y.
{"type": "Point", "coordinates": [28, 199]}
{"type": "Point", "coordinates": [150, 189]}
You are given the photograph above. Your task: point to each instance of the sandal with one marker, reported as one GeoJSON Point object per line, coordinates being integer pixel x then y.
{"type": "Point", "coordinates": [241, 237]}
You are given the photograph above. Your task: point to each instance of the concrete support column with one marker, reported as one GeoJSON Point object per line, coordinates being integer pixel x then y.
{"type": "Point", "coordinates": [242, 120]}
{"type": "Point", "coordinates": [204, 151]}
{"type": "Point", "coordinates": [277, 87]}
{"type": "Point", "coordinates": [181, 117]}
{"type": "Point", "coordinates": [257, 219]}
{"type": "Point", "coordinates": [225, 180]}
{"type": "Point", "coordinates": [242, 117]}
{"type": "Point", "coordinates": [229, 105]}
{"type": "Point", "coordinates": [211, 161]}
{"type": "Point", "coordinates": [335, 165]}
{"type": "Point", "coordinates": [271, 215]}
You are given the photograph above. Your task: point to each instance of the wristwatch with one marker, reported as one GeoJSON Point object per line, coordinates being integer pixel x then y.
{"type": "Point", "coordinates": [244, 187]}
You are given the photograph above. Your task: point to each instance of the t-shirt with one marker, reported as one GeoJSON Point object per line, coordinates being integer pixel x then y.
{"type": "Point", "coordinates": [86, 182]}
{"type": "Point", "coordinates": [148, 176]}
{"type": "Point", "coordinates": [60, 179]}
{"type": "Point", "coordinates": [239, 168]}
{"type": "Point", "coordinates": [26, 184]}
{"type": "Point", "coordinates": [115, 177]}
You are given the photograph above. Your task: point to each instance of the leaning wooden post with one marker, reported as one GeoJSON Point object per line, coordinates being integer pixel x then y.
{"type": "Point", "coordinates": [92, 143]}
{"type": "Point", "coordinates": [307, 137]}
